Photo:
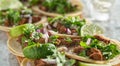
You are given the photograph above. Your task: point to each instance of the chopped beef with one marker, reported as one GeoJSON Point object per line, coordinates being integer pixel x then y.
{"type": "Point", "coordinates": [42, 63]}
{"type": "Point", "coordinates": [41, 40]}
{"type": "Point", "coordinates": [73, 31]}
{"type": "Point", "coordinates": [63, 29]}
{"type": "Point", "coordinates": [95, 54]}
{"type": "Point", "coordinates": [58, 26]}
{"type": "Point", "coordinates": [7, 23]}
{"type": "Point", "coordinates": [93, 50]}
{"type": "Point", "coordinates": [43, 8]}
{"type": "Point", "coordinates": [23, 21]}
{"type": "Point", "coordinates": [76, 40]}
{"type": "Point", "coordinates": [64, 42]}
{"type": "Point", "coordinates": [78, 49]}
{"type": "Point", "coordinates": [36, 18]}
{"type": "Point", "coordinates": [101, 38]}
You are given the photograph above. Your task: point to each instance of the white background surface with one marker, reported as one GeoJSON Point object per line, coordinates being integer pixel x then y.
{"type": "Point", "coordinates": [112, 30]}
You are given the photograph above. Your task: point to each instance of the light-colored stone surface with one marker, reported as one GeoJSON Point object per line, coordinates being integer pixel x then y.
{"type": "Point", "coordinates": [112, 30]}
{"type": "Point", "coordinates": [6, 58]}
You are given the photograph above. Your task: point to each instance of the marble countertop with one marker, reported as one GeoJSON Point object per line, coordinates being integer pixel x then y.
{"type": "Point", "coordinates": [112, 30]}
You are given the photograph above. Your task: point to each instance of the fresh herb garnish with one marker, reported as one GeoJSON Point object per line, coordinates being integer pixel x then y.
{"type": "Point", "coordinates": [108, 50]}
{"type": "Point", "coordinates": [2, 18]}
{"type": "Point", "coordinates": [13, 16]}
{"type": "Point", "coordinates": [69, 22]}
{"type": "Point", "coordinates": [54, 39]}
{"type": "Point", "coordinates": [68, 39]}
{"type": "Point", "coordinates": [70, 62]}
{"type": "Point", "coordinates": [58, 6]}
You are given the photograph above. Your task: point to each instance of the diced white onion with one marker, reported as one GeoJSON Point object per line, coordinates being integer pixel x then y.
{"type": "Point", "coordinates": [55, 24]}
{"type": "Point", "coordinates": [88, 41]}
{"type": "Point", "coordinates": [49, 27]}
{"type": "Point", "coordinates": [68, 31]}
{"type": "Point", "coordinates": [62, 49]}
{"type": "Point", "coordinates": [51, 61]}
{"type": "Point", "coordinates": [45, 36]}
{"type": "Point", "coordinates": [75, 34]}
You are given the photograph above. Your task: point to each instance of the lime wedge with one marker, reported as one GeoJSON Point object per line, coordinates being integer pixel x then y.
{"type": "Point", "coordinates": [90, 64]}
{"type": "Point", "coordinates": [18, 30]}
{"type": "Point", "coordinates": [91, 29]}
{"type": "Point", "coordinates": [10, 4]}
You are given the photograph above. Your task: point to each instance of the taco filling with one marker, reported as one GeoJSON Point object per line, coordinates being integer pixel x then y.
{"type": "Point", "coordinates": [66, 25]}
{"type": "Point", "coordinates": [63, 7]}
{"type": "Point", "coordinates": [12, 17]}
{"type": "Point", "coordinates": [92, 47]}
{"type": "Point", "coordinates": [50, 49]}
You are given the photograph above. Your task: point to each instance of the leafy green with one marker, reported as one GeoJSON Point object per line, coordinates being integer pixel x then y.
{"type": "Point", "coordinates": [83, 53]}
{"type": "Point", "coordinates": [38, 51]}
{"type": "Point", "coordinates": [2, 18]}
{"type": "Point", "coordinates": [54, 39]}
{"type": "Point", "coordinates": [108, 50]}
{"type": "Point", "coordinates": [34, 2]}
{"type": "Point", "coordinates": [83, 44]}
{"type": "Point", "coordinates": [68, 39]}
{"type": "Point", "coordinates": [13, 16]}
{"type": "Point", "coordinates": [70, 62]}
{"type": "Point", "coordinates": [59, 57]}
{"type": "Point", "coordinates": [58, 6]}
{"type": "Point", "coordinates": [69, 22]}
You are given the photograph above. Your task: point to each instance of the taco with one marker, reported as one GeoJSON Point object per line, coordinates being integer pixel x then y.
{"type": "Point", "coordinates": [52, 8]}
{"type": "Point", "coordinates": [14, 17]}
{"type": "Point", "coordinates": [96, 57]}
{"type": "Point", "coordinates": [38, 43]}
{"type": "Point", "coordinates": [67, 25]}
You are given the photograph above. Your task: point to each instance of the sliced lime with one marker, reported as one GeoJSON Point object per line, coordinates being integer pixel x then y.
{"type": "Point", "coordinates": [90, 64]}
{"type": "Point", "coordinates": [91, 29]}
{"type": "Point", "coordinates": [10, 4]}
{"type": "Point", "coordinates": [18, 30]}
